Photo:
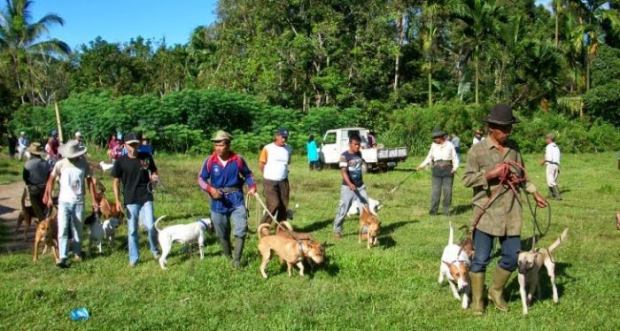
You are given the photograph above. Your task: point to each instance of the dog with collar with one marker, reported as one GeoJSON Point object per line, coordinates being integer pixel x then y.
{"type": "Point", "coordinates": [102, 231]}
{"type": "Point", "coordinates": [454, 266]}
{"type": "Point", "coordinates": [26, 214]}
{"type": "Point", "coordinates": [529, 264]}
{"type": "Point", "coordinates": [370, 227]}
{"type": "Point", "coordinates": [183, 233]}
{"type": "Point", "coordinates": [290, 250]}
{"type": "Point", "coordinates": [356, 207]}
{"type": "Point", "coordinates": [47, 234]}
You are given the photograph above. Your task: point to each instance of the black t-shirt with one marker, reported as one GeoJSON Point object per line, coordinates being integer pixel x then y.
{"type": "Point", "coordinates": [134, 175]}
{"type": "Point", "coordinates": [353, 163]}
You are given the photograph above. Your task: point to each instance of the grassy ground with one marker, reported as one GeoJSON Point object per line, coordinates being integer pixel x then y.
{"type": "Point", "coordinates": [391, 287]}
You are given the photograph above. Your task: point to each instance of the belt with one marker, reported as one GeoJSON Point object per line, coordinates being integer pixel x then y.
{"type": "Point", "coordinates": [442, 163]}
{"type": "Point", "coordinates": [228, 189]}
{"type": "Point", "coordinates": [551, 162]}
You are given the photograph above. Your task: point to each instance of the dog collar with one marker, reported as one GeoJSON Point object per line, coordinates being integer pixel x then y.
{"type": "Point", "coordinates": [204, 224]}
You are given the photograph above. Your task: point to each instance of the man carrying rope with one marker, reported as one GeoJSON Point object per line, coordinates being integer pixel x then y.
{"type": "Point", "coordinates": [495, 171]}
{"type": "Point", "coordinates": [222, 176]}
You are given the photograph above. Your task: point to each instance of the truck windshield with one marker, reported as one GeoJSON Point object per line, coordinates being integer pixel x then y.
{"type": "Point", "coordinates": [330, 138]}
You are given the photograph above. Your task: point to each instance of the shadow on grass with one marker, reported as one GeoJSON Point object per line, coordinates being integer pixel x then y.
{"type": "Point", "coordinates": [546, 291]}
{"type": "Point", "coordinates": [314, 226]}
{"type": "Point", "coordinates": [461, 209]}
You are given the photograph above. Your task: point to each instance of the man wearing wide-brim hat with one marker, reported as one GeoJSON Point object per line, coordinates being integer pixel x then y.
{"type": "Point", "coordinates": [493, 165]}
{"type": "Point", "coordinates": [445, 161]}
{"type": "Point", "coordinates": [74, 176]}
{"type": "Point", "coordinates": [222, 176]}
{"type": "Point", "coordinates": [35, 174]}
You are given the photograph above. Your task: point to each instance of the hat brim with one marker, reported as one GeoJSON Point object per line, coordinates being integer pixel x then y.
{"type": "Point", "coordinates": [133, 141]}
{"type": "Point", "coordinates": [36, 152]}
{"type": "Point", "coordinates": [493, 121]}
{"type": "Point", "coordinates": [438, 134]}
{"type": "Point", "coordinates": [71, 155]}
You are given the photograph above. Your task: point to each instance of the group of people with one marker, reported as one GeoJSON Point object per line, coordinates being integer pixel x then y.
{"type": "Point", "coordinates": [494, 170]}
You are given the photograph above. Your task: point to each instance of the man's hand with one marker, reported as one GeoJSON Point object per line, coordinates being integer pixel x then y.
{"type": "Point", "coordinates": [214, 193]}
{"type": "Point", "coordinates": [118, 205]}
{"type": "Point", "coordinates": [496, 172]}
{"type": "Point", "coordinates": [540, 201]}
{"type": "Point", "coordinates": [154, 178]}
{"type": "Point", "coordinates": [47, 200]}
{"type": "Point", "coordinates": [252, 190]}
{"type": "Point", "coordinates": [352, 187]}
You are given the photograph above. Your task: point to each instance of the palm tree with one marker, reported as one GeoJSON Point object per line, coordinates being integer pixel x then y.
{"type": "Point", "coordinates": [481, 25]}
{"type": "Point", "coordinates": [20, 40]}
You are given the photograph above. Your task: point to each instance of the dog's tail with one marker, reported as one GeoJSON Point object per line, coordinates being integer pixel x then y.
{"type": "Point", "coordinates": [259, 231]}
{"type": "Point", "coordinates": [558, 241]}
{"type": "Point", "coordinates": [24, 198]}
{"type": "Point", "coordinates": [451, 237]}
{"type": "Point", "coordinates": [159, 219]}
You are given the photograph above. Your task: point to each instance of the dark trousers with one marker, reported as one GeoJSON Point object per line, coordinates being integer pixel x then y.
{"type": "Point", "coordinates": [36, 201]}
{"type": "Point", "coordinates": [441, 184]}
{"type": "Point", "coordinates": [276, 194]}
{"type": "Point", "coordinates": [483, 246]}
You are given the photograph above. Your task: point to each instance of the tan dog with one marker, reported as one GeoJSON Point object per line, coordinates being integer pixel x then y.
{"type": "Point", "coordinates": [289, 250]}
{"type": "Point", "coordinates": [371, 225]}
{"type": "Point", "coordinates": [530, 263]}
{"type": "Point", "coordinates": [26, 215]}
{"type": "Point", "coordinates": [285, 229]}
{"type": "Point", "coordinates": [47, 233]}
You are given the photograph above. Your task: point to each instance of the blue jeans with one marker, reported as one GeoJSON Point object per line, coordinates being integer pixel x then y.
{"type": "Point", "coordinates": [346, 199]}
{"type": "Point", "coordinates": [133, 216]}
{"type": "Point", "coordinates": [70, 219]}
{"type": "Point", "coordinates": [239, 219]}
{"type": "Point", "coordinates": [483, 246]}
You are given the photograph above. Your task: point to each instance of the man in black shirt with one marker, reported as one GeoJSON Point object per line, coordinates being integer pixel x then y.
{"type": "Point", "coordinates": [137, 173]}
{"type": "Point", "coordinates": [35, 174]}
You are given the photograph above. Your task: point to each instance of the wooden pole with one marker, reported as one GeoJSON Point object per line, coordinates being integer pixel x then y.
{"type": "Point", "coordinates": [58, 123]}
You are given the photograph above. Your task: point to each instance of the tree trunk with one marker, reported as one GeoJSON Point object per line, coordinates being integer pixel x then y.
{"type": "Point", "coordinates": [557, 23]}
{"type": "Point", "coordinates": [401, 36]}
{"type": "Point", "coordinates": [477, 74]}
{"type": "Point", "coordinates": [430, 83]}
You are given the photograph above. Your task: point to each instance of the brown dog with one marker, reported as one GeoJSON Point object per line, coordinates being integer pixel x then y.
{"type": "Point", "coordinates": [285, 229]}
{"type": "Point", "coordinates": [289, 250]}
{"type": "Point", "coordinates": [47, 233]}
{"type": "Point", "coordinates": [370, 227]}
{"type": "Point", "coordinates": [26, 215]}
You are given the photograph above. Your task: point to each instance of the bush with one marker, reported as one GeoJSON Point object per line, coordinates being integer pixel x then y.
{"type": "Point", "coordinates": [604, 102]}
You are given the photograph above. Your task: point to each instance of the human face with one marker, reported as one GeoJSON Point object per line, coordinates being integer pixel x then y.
{"type": "Point", "coordinates": [354, 146]}
{"type": "Point", "coordinates": [222, 148]}
{"type": "Point", "coordinates": [500, 133]}
{"type": "Point", "coordinates": [439, 140]}
{"type": "Point", "coordinates": [280, 141]}
{"type": "Point", "coordinates": [131, 148]}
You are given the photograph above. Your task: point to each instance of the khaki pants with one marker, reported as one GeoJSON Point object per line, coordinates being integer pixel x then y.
{"type": "Point", "coordinates": [553, 171]}
{"type": "Point", "coordinates": [276, 194]}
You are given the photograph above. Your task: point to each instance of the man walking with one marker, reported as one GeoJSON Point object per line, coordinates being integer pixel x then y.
{"type": "Point", "coordinates": [22, 145]}
{"type": "Point", "coordinates": [444, 160]}
{"type": "Point", "coordinates": [495, 172]}
{"type": "Point", "coordinates": [73, 172]}
{"type": "Point", "coordinates": [35, 174]}
{"type": "Point", "coordinates": [352, 187]}
{"type": "Point", "coordinates": [273, 162]}
{"type": "Point", "coordinates": [552, 162]}
{"type": "Point", "coordinates": [222, 176]}
{"type": "Point", "coordinates": [137, 173]}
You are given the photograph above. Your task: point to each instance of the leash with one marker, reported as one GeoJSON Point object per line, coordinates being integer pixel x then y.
{"type": "Point", "coordinates": [273, 217]}
{"type": "Point", "coordinates": [510, 181]}
{"type": "Point", "coordinates": [387, 195]}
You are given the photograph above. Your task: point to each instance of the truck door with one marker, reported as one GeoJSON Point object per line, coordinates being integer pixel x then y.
{"type": "Point", "coordinates": [329, 148]}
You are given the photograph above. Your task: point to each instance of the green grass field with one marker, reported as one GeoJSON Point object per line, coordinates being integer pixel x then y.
{"type": "Point", "coordinates": [390, 287]}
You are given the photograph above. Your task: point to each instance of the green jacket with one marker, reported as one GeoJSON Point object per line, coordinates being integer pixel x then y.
{"type": "Point", "coordinates": [503, 216]}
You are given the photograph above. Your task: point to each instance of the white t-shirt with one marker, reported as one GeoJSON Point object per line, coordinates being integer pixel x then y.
{"type": "Point", "coordinates": [276, 159]}
{"type": "Point", "coordinates": [72, 178]}
{"type": "Point", "coordinates": [441, 152]}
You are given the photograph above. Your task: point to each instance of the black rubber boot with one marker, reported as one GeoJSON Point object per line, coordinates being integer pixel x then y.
{"type": "Point", "coordinates": [556, 193]}
{"type": "Point", "coordinates": [239, 242]}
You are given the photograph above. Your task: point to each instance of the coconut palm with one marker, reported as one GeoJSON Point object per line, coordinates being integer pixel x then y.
{"type": "Point", "coordinates": [21, 41]}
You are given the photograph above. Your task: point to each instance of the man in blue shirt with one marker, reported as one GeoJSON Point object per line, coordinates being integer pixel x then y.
{"type": "Point", "coordinates": [222, 176]}
{"type": "Point", "coordinates": [352, 182]}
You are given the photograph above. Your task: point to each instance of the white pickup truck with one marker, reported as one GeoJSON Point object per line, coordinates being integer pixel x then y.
{"type": "Point", "coordinates": [336, 141]}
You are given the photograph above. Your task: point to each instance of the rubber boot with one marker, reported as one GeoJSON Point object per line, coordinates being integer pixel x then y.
{"type": "Point", "coordinates": [556, 193]}
{"type": "Point", "coordinates": [225, 243]}
{"type": "Point", "coordinates": [551, 193]}
{"type": "Point", "coordinates": [477, 292]}
{"type": "Point", "coordinates": [239, 242]}
{"type": "Point", "coordinates": [496, 291]}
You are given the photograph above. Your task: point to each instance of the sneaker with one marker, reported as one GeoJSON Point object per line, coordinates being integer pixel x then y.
{"type": "Point", "coordinates": [62, 264]}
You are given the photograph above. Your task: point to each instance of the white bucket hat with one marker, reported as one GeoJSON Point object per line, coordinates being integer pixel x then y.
{"type": "Point", "coordinates": [72, 149]}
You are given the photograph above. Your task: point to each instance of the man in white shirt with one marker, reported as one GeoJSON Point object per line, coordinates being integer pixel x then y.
{"type": "Point", "coordinates": [22, 146]}
{"type": "Point", "coordinates": [552, 162]}
{"type": "Point", "coordinates": [273, 162]}
{"type": "Point", "coordinates": [444, 160]}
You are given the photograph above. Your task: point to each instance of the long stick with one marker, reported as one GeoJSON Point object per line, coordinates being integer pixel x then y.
{"type": "Point", "coordinates": [58, 122]}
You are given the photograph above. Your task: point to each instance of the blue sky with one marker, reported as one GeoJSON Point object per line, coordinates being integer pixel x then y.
{"type": "Point", "coordinates": [119, 21]}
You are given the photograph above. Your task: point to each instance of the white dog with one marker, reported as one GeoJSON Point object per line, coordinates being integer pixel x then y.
{"type": "Point", "coordinates": [183, 233]}
{"type": "Point", "coordinates": [103, 231]}
{"type": "Point", "coordinates": [455, 267]}
{"type": "Point", "coordinates": [356, 207]}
